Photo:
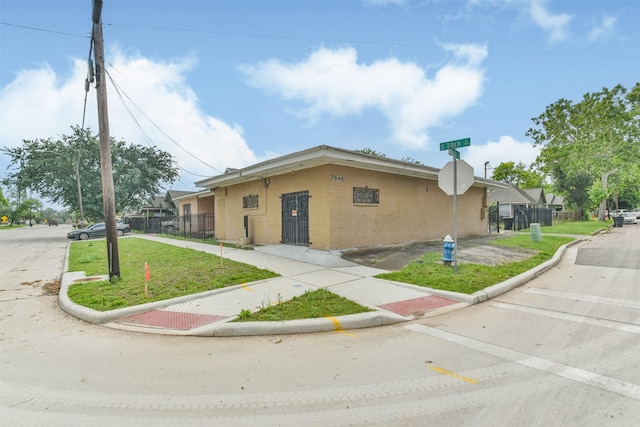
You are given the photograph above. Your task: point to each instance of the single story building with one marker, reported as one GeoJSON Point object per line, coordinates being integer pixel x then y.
{"type": "Point", "coordinates": [330, 198]}
{"type": "Point", "coordinates": [555, 201]}
{"type": "Point", "coordinates": [161, 206]}
{"type": "Point", "coordinates": [196, 213]}
{"type": "Point", "coordinates": [513, 198]}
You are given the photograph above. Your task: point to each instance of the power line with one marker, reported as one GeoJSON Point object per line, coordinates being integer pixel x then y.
{"type": "Point", "coordinates": [220, 33]}
{"type": "Point", "coordinates": [26, 27]}
{"type": "Point", "coordinates": [239, 147]}
{"type": "Point", "coordinates": [122, 94]}
{"type": "Point", "coordinates": [87, 82]}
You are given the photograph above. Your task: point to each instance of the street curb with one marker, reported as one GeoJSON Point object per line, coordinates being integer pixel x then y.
{"type": "Point", "coordinates": [94, 316]}
{"type": "Point", "coordinates": [500, 288]}
{"type": "Point", "coordinates": [223, 329]}
{"type": "Point", "coordinates": [522, 278]}
{"type": "Point", "coordinates": [325, 324]}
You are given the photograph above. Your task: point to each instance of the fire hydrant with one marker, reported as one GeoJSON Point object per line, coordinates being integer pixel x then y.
{"type": "Point", "coordinates": [449, 246]}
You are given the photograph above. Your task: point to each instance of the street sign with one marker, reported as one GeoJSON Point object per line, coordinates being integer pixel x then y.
{"type": "Point", "coordinates": [453, 152]}
{"type": "Point", "coordinates": [463, 182]}
{"type": "Point", "coordinates": [455, 144]}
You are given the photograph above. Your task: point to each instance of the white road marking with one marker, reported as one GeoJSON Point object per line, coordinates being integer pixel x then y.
{"type": "Point", "coordinates": [603, 323]}
{"type": "Point", "coordinates": [586, 298]}
{"type": "Point", "coordinates": [575, 374]}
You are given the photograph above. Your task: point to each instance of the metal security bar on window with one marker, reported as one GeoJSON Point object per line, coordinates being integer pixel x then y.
{"type": "Point", "coordinates": [250, 202]}
{"type": "Point", "coordinates": [366, 195]}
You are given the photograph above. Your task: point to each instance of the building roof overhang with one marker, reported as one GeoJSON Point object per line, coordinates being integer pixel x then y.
{"type": "Point", "coordinates": [326, 155]}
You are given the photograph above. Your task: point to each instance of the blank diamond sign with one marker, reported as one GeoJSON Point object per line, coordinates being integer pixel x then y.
{"type": "Point", "coordinates": [465, 177]}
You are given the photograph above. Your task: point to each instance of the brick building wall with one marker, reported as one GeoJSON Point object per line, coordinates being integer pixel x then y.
{"type": "Point", "coordinates": [409, 209]}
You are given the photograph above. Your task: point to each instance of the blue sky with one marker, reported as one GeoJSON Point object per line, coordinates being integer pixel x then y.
{"type": "Point", "coordinates": [229, 83]}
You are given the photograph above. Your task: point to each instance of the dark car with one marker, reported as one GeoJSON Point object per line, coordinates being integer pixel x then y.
{"type": "Point", "coordinates": [97, 230]}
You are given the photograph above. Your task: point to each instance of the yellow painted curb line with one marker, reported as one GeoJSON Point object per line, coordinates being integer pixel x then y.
{"type": "Point", "coordinates": [454, 375]}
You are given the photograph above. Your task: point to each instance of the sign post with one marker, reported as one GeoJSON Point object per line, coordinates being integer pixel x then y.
{"type": "Point", "coordinates": [443, 182]}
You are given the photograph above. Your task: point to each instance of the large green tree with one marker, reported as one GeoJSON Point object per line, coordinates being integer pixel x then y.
{"type": "Point", "coordinates": [5, 208]}
{"type": "Point", "coordinates": [598, 138]}
{"type": "Point", "coordinates": [59, 168]}
{"type": "Point", "coordinates": [518, 174]}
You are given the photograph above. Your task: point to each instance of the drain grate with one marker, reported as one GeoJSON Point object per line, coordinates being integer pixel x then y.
{"type": "Point", "coordinates": [417, 305]}
{"type": "Point", "coordinates": [170, 319]}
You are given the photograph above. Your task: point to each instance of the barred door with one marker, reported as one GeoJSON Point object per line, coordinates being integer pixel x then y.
{"type": "Point", "coordinates": [295, 218]}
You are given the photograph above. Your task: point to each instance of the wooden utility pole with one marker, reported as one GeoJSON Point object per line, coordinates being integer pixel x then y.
{"type": "Point", "coordinates": [108, 194]}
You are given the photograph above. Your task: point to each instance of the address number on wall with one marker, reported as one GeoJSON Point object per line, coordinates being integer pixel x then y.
{"type": "Point", "coordinates": [337, 178]}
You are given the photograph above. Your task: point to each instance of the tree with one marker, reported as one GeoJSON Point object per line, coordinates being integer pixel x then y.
{"type": "Point", "coordinates": [3, 200]}
{"type": "Point", "coordinates": [575, 189]}
{"type": "Point", "coordinates": [598, 137]}
{"type": "Point", "coordinates": [518, 175]}
{"type": "Point", "coordinates": [5, 207]}
{"type": "Point", "coordinates": [63, 168]}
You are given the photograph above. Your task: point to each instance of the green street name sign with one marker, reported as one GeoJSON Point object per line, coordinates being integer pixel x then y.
{"type": "Point", "coordinates": [453, 152]}
{"type": "Point", "coordinates": [455, 144]}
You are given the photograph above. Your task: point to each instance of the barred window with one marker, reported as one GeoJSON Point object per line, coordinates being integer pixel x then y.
{"type": "Point", "coordinates": [366, 195]}
{"type": "Point", "coordinates": [250, 202]}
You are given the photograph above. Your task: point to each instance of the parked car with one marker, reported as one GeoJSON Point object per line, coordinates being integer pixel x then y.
{"type": "Point", "coordinates": [97, 230]}
{"type": "Point", "coordinates": [618, 212]}
{"type": "Point", "coordinates": [630, 218]}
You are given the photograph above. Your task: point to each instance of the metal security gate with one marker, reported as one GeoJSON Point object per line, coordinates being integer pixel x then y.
{"type": "Point", "coordinates": [295, 218]}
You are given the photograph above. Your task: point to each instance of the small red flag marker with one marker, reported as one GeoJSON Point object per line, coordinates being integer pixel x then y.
{"type": "Point", "coordinates": [147, 276]}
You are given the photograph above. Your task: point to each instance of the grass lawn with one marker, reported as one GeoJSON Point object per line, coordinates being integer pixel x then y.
{"type": "Point", "coordinates": [577, 227]}
{"type": "Point", "coordinates": [11, 227]}
{"type": "Point", "coordinates": [174, 272]}
{"type": "Point", "coordinates": [178, 271]}
{"type": "Point", "coordinates": [429, 271]}
{"type": "Point", "coordinates": [310, 305]}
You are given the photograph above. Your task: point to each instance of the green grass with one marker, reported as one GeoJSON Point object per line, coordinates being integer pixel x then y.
{"type": "Point", "coordinates": [11, 227]}
{"type": "Point", "coordinates": [310, 305]}
{"type": "Point", "coordinates": [577, 227]}
{"type": "Point", "coordinates": [174, 272]}
{"type": "Point", "coordinates": [429, 271]}
{"type": "Point", "coordinates": [177, 271]}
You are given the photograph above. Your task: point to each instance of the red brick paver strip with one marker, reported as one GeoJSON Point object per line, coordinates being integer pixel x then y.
{"type": "Point", "coordinates": [170, 319]}
{"type": "Point", "coordinates": [417, 305]}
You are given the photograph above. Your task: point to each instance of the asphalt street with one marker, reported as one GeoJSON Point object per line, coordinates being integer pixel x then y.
{"type": "Point", "coordinates": [561, 350]}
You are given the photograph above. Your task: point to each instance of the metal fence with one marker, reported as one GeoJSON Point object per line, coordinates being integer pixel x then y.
{"type": "Point", "coordinates": [526, 216]}
{"type": "Point", "coordinates": [522, 219]}
{"type": "Point", "coordinates": [200, 226]}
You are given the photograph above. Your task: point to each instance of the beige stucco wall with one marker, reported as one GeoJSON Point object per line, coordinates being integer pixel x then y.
{"type": "Point", "coordinates": [199, 206]}
{"type": "Point", "coordinates": [410, 209]}
{"type": "Point", "coordinates": [265, 222]}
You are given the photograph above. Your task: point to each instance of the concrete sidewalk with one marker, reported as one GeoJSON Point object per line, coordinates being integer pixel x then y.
{"type": "Point", "coordinates": [301, 269]}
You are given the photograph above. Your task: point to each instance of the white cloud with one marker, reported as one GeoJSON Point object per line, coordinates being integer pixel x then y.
{"type": "Point", "coordinates": [506, 149]}
{"type": "Point", "coordinates": [603, 29]}
{"type": "Point", "coordinates": [332, 82]}
{"type": "Point", "coordinates": [40, 104]}
{"type": "Point", "coordinates": [555, 25]}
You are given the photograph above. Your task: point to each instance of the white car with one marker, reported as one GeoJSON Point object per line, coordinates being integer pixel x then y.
{"type": "Point", "coordinates": [630, 218]}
